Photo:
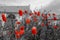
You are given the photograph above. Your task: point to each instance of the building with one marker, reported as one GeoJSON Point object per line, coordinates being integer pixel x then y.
{"type": "Point", "coordinates": [13, 8]}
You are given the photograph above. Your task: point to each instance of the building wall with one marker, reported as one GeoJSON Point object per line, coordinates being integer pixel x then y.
{"type": "Point", "coordinates": [14, 8]}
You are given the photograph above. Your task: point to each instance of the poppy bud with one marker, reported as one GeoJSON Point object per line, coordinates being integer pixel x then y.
{"type": "Point", "coordinates": [42, 15]}
{"type": "Point", "coordinates": [54, 14]}
{"type": "Point", "coordinates": [26, 11]}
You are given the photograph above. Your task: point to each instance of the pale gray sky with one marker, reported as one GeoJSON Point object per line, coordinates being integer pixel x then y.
{"type": "Point", "coordinates": [33, 3]}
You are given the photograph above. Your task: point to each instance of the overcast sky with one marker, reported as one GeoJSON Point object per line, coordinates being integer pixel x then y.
{"type": "Point", "coordinates": [33, 3]}
{"type": "Point", "coordinates": [53, 5]}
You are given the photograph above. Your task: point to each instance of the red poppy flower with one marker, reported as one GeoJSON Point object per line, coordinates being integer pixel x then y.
{"type": "Point", "coordinates": [31, 14]}
{"type": "Point", "coordinates": [21, 27]}
{"type": "Point", "coordinates": [55, 27]}
{"type": "Point", "coordinates": [27, 21]}
{"type": "Point", "coordinates": [17, 22]}
{"type": "Point", "coordinates": [35, 12]}
{"type": "Point", "coordinates": [34, 30]}
{"type": "Point", "coordinates": [17, 34]}
{"type": "Point", "coordinates": [54, 18]}
{"type": "Point", "coordinates": [20, 12]}
{"type": "Point", "coordinates": [49, 14]}
{"type": "Point", "coordinates": [38, 14]}
{"type": "Point", "coordinates": [43, 15]}
{"type": "Point", "coordinates": [21, 32]}
{"type": "Point", "coordinates": [4, 17]}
